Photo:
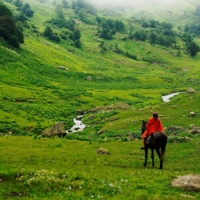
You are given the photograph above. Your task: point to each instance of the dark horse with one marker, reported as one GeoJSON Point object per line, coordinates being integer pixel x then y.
{"type": "Point", "coordinates": [157, 141]}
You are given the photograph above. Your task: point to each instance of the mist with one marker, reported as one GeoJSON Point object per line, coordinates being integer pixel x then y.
{"type": "Point", "coordinates": [138, 5]}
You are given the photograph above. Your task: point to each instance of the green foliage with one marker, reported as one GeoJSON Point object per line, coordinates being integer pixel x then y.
{"type": "Point", "coordinates": [48, 31]}
{"type": "Point", "coordinates": [78, 5]}
{"type": "Point", "coordinates": [5, 11]}
{"type": "Point", "coordinates": [8, 29]}
{"type": "Point", "coordinates": [52, 36]}
{"type": "Point", "coordinates": [69, 24]}
{"type": "Point", "coordinates": [193, 48]}
{"type": "Point", "coordinates": [65, 3]}
{"type": "Point", "coordinates": [18, 3]}
{"type": "Point", "coordinates": [108, 27]}
{"type": "Point", "coordinates": [27, 10]}
{"type": "Point", "coordinates": [59, 12]}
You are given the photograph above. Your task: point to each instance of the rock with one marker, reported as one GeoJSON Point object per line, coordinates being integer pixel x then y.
{"type": "Point", "coordinates": [79, 117]}
{"type": "Point", "coordinates": [80, 112]}
{"type": "Point", "coordinates": [56, 130]}
{"type": "Point", "coordinates": [103, 151]}
{"type": "Point", "coordinates": [189, 182]}
{"type": "Point", "coordinates": [175, 128]}
{"type": "Point", "coordinates": [195, 131]}
{"type": "Point", "coordinates": [190, 90]}
{"type": "Point", "coordinates": [61, 67]}
{"type": "Point", "coordinates": [192, 114]}
{"type": "Point", "coordinates": [100, 132]}
{"type": "Point", "coordinates": [89, 78]}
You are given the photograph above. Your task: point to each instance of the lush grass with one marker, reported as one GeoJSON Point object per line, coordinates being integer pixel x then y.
{"type": "Point", "coordinates": [70, 169]}
{"type": "Point", "coordinates": [37, 94]}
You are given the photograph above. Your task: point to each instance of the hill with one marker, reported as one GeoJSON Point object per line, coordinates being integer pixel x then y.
{"type": "Point", "coordinates": [117, 81]}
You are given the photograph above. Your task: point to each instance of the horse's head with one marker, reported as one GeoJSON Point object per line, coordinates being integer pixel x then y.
{"type": "Point", "coordinates": [144, 123]}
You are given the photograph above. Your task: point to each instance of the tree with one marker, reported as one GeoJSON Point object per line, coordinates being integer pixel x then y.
{"type": "Point", "coordinates": [27, 10]}
{"type": "Point", "coordinates": [48, 32]}
{"type": "Point", "coordinates": [29, 13]}
{"type": "Point", "coordinates": [161, 40]}
{"type": "Point", "coordinates": [18, 3]}
{"type": "Point", "coordinates": [137, 35]}
{"type": "Point", "coordinates": [119, 26]}
{"type": "Point", "coordinates": [65, 3]}
{"type": "Point", "coordinates": [77, 34]}
{"type": "Point", "coordinates": [25, 7]}
{"type": "Point", "coordinates": [77, 43]}
{"type": "Point", "coordinates": [59, 12]}
{"type": "Point", "coordinates": [142, 35]}
{"type": "Point", "coordinates": [8, 29]}
{"type": "Point", "coordinates": [82, 14]}
{"type": "Point", "coordinates": [152, 37]}
{"type": "Point", "coordinates": [152, 23]}
{"type": "Point", "coordinates": [116, 48]}
{"type": "Point", "coordinates": [192, 48]}
{"type": "Point", "coordinates": [5, 11]}
{"type": "Point", "coordinates": [197, 12]}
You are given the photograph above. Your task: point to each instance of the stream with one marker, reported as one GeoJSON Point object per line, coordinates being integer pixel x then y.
{"type": "Point", "coordinates": [79, 126]}
{"type": "Point", "coordinates": [166, 98]}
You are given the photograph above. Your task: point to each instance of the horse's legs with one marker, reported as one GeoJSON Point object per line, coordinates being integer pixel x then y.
{"type": "Point", "coordinates": [161, 158]}
{"type": "Point", "coordinates": [152, 157]}
{"type": "Point", "coordinates": [146, 155]}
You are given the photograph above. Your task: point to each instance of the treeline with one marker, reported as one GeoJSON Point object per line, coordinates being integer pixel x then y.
{"type": "Point", "coordinates": [162, 33]}
{"type": "Point", "coordinates": [25, 8]}
{"type": "Point", "coordinates": [194, 26]}
{"type": "Point", "coordinates": [155, 32]}
{"type": "Point", "coordinates": [8, 28]}
{"type": "Point", "coordinates": [107, 27]}
{"type": "Point", "coordinates": [70, 32]}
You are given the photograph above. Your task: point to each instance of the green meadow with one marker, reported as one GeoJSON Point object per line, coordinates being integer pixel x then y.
{"type": "Point", "coordinates": [44, 82]}
{"type": "Point", "coordinates": [39, 168]}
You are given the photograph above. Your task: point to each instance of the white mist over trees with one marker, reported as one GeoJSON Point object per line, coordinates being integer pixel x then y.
{"type": "Point", "coordinates": [138, 5]}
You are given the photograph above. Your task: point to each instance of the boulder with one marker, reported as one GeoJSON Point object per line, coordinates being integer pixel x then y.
{"type": "Point", "coordinates": [190, 90]}
{"type": "Point", "coordinates": [192, 114]}
{"type": "Point", "coordinates": [61, 67]}
{"type": "Point", "coordinates": [195, 131]}
{"type": "Point", "coordinates": [100, 132]}
{"type": "Point", "coordinates": [80, 112]}
{"type": "Point", "coordinates": [56, 130]}
{"type": "Point", "coordinates": [103, 151]}
{"type": "Point", "coordinates": [175, 128]}
{"type": "Point", "coordinates": [189, 182]}
{"type": "Point", "coordinates": [89, 78]}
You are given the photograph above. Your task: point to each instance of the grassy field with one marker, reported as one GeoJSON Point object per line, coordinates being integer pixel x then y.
{"type": "Point", "coordinates": [45, 82]}
{"type": "Point", "coordinates": [35, 93]}
{"type": "Point", "coordinates": [38, 168]}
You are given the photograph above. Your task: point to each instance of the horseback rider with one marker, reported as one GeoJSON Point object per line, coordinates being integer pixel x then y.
{"type": "Point", "coordinates": [154, 124]}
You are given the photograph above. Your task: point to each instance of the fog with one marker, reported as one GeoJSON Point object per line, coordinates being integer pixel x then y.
{"type": "Point", "coordinates": [147, 4]}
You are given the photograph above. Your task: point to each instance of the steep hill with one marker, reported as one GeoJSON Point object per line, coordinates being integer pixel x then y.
{"type": "Point", "coordinates": [47, 80]}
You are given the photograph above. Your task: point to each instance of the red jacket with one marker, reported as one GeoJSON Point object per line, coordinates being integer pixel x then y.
{"type": "Point", "coordinates": [153, 125]}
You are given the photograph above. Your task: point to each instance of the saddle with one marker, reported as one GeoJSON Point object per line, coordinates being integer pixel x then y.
{"type": "Point", "coordinates": [148, 139]}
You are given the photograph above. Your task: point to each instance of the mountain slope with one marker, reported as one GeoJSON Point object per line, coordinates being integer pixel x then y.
{"type": "Point", "coordinates": [44, 82]}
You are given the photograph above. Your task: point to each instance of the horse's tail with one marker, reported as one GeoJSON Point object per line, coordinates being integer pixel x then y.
{"type": "Point", "coordinates": [163, 146]}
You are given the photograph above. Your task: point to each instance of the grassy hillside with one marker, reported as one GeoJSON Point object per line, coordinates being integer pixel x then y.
{"type": "Point", "coordinates": [36, 92]}
{"type": "Point", "coordinates": [71, 169]}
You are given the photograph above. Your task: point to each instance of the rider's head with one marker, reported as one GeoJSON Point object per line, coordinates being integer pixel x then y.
{"type": "Point", "coordinates": [155, 115]}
